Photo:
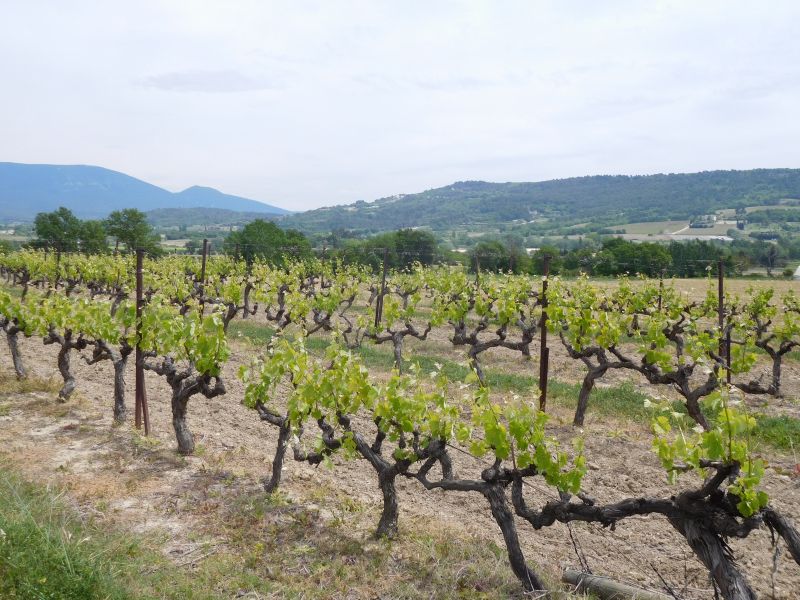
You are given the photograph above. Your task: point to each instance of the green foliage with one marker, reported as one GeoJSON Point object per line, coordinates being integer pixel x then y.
{"type": "Point", "coordinates": [538, 260]}
{"type": "Point", "coordinates": [402, 249]}
{"type": "Point", "coordinates": [46, 552]}
{"type": "Point", "coordinates": [727, 442]}
{"type": "Point", "coordinates": [130, 228]}
{"type": "Point", "coordinates": [200, 339]}
{"type": "Point", "coordinates": [263, 240]}
{"type": "Point", "coordinates": [637, 316]}
{"type": "Point", "coordinates": [556, 205]}
{"type": "Point", "coordinates": [414, 246]}
{"type": "Point", "coordinates": [620, 256]}
{"type": "Point", "coordinates": [774, 215]}
{"type": "Point", "coordinates": [516, 431]}
{"type": "Point", "coordinates": [59, 229]}
{"type": "Point", "coordinates": [405, 405]}
{"type": "Point", "coordinates": [93, 237]}
{"type": "Point", "coordinates": [491, 256]}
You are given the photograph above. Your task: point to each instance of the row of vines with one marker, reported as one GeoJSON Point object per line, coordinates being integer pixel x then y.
{"type": "Point", "coordinates": [417, 425]}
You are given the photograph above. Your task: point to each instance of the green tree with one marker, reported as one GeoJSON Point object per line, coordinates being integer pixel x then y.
{"type": "Point", "coordinates": [401, 248]}
{"type": "Point", "coordinates": [629, 257]}
{"type": "Point", "coordinates": [537, 260]}
{"type": "Point", "coordinates": [771, 256]}
{"type": "Point", "coordinates": [265, 240]}
{"type": "Point", "coordinates": [580, 260]}
{"type": "Point", "coordinates": [297, 245]}
{"type": "Point", "coordinates": [59, 229]}
{"type": "Point", "coordinates": [192, 246]}
{"type": "Point", "coordinates": [490, 256]}
{"type": "Point", "coordinates": [130, 227]}
{"type": "Point", "coordinates": [414, 245]}
{"type": "Point", "coordinates": [370, 251]}
{"type": "Point", "coordinates": [93, 237]}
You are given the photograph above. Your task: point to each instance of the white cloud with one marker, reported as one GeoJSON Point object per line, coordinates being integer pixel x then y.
{"type": "Point", "coordinates": [223, 81]}
{"type": "Point", "coordinates": [306, 103]}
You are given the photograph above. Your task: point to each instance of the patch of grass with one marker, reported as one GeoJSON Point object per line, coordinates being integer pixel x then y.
{"type": "Point", "coordinates": [256, 333]}
{"type": "Point", "coordinates": [497, 380]}
{"type": "Point", "coordinates": [46, 552]}
{"type": "Point", "coordinates": [511, 382]}
{"type": "Point", "coordinates": [142, 443]}
{"type": "Point", "coordinates": [12, 290]}
{"type": "Point", "coordinates": [622, 401]}
{"type": "Point", "coordinates": [272, 547]}
{"type": "Point", "coordinates": [11, 385]}
{"type": "Point", "coordinates": [49, 551]}
{"type": "Point", "coordinates": [779, 432]}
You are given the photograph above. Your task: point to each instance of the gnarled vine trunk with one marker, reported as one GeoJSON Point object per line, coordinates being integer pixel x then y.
{"type": "Point", "coordinates": [715, 554]}
{"type": "Point", "coordinates": [583, 395]}
{"type": "Point", "coordinates": [67, 343]}
{"type": "Point", "coordinates": [387, 526]}
{"type": "Point", "coordinates": [495, 494]}
{"type": "Point", "coordinates": [184, 384]}
{"type": "Point", "coordinates": [12, 337]}
{"type": "Point", "coordinates": [66, 373]}
{"type": "Point", "coordinates": [120, 410]}
{"type": "Point", "coordinates": [271, 484]}
{"type": "Point", "coordinates": [182, 432]}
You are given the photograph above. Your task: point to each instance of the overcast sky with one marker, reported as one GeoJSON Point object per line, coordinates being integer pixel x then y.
{"type": "Point", "coordinates": [305, 104]}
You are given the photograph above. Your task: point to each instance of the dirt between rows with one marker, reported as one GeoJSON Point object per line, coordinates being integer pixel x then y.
{"type": "Point", "coordinates": [117, 475]}
{"type": "Point", "coordinates": [565, 369]}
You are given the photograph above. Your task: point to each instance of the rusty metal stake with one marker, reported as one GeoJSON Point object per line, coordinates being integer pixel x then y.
{"type": "Point", "coordinates": [721, 314]}
{"type": "Point", "coordinates": [544, 352]}
{"type": "Point", "coordinates": [141, 392]}
{"type": "Point", "coordinates": [203, 276]}
{"type": "Point", "coordinates": [379, 300]}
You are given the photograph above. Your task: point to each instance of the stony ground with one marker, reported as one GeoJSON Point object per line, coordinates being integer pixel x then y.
{"type": "Point", "coordinates": [142, 483]}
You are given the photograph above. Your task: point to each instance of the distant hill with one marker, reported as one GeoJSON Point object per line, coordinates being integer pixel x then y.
{"type": "Point", "coordinates": [175, 217]}
{"type": "Point", "coordinates": [602, 199]}
{"type": "Point", "coordinates": [93, 192]}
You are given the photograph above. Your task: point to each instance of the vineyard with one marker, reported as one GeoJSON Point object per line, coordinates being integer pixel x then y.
{"type": "Point", "coordinates": [574, 421]}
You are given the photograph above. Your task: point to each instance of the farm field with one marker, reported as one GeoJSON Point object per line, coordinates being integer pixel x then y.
{"type": "Point", "coordinates": [432, 301]}
{"type": "Point", "coordinates": [186, 502]}
{"type": "Point", "coordinates": [788, 203]}
{"type": "Point", "coordinates": [655, 227]}
{"type": "Point", "coordinates": [696, 289]}
{"type": "Point", "coordinates": [208, 515]}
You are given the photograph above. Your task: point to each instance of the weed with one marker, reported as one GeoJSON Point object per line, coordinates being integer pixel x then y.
{"type": "Point", "coordinates": [780, 432]}
{"type": "Point", "coordinates": [11, 385]}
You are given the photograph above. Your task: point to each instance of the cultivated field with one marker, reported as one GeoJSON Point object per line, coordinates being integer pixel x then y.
{"type": "Point", "coordinates": [209, 516]}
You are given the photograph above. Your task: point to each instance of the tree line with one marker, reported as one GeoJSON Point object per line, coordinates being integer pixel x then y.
{"type": "Point", "coordinates": [62, 231]}
{"type": "Point", "coordinates": [129, 229]}
{"type": "Point", "coordinates": [616, 256]}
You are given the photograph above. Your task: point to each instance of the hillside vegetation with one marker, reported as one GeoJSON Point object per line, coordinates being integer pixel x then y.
{"type": "Point", "coordinates": [600, 200]}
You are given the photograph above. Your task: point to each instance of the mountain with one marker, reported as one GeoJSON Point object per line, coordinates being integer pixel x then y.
{"type": "Point", "coordinates": [93, 192]}
{"type": "Point", "coordinates": [204, 216]}
{"type": "Point", "coordinates": [601, 200]}
{"type": "Point", "coordinates": [207, 197]}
